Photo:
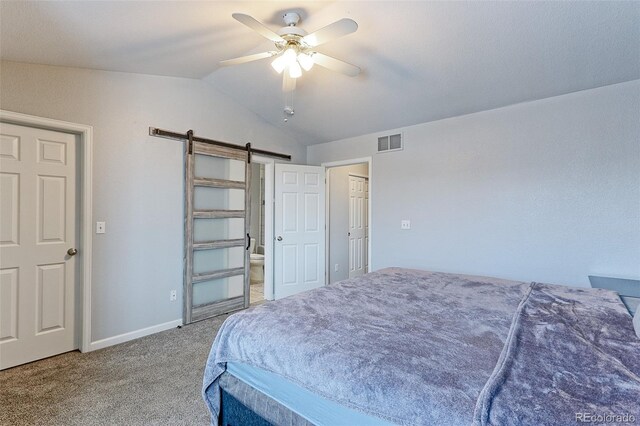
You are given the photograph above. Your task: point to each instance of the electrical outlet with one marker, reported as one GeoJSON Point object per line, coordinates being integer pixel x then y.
{"type": "Point", "coordinates": [405, 224]}
{"type": "Point", "coordinates": [173, 296]}
{"type": "Point", "coordinates": [336, 267]}
{"type": "Point", "coordinates": [101, 227]}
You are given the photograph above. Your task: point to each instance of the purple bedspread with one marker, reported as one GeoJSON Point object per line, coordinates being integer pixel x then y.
{"type": "Point", "coordinates": [571, 357]}
{"type": "Point", "coordinates": [419, 348]}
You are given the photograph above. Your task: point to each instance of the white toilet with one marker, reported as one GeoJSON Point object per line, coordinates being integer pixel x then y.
{"type": "Point", "coordinates": [256, 271]}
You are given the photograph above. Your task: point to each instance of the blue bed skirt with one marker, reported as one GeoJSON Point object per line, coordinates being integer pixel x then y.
{"type": "Point", "coordinates": [235, 413]}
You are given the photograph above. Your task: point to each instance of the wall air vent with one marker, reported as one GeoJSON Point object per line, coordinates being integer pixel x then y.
{"type": "Point", "coordinates": [390, 143]}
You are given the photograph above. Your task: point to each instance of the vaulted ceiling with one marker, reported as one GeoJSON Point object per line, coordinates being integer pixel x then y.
{"type": "Point", "coordinates": [421, 60]}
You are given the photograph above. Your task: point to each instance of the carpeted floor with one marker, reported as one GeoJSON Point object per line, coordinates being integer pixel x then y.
{"type": "Point", "coordinates": [155, 380]}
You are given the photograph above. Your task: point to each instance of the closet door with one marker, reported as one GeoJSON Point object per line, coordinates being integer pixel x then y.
{"type": "Point", "coordinates": [358, 229]}
{"type": "Point", "coordinates": [217, 204]}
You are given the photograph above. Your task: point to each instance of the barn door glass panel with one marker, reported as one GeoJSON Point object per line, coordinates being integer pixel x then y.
{"type": "Point", "coordinates": [217, 229]}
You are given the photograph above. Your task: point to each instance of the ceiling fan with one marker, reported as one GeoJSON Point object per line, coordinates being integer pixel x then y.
{"type": "Point", "coordinates": [295, 50]}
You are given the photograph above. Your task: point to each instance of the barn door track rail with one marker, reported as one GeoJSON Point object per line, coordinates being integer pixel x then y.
{"type": "Point", "coordinates": [190, 138]}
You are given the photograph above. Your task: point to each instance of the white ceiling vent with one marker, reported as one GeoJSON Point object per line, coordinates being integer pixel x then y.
{"type": "Point", "coordinates": [390, 143]}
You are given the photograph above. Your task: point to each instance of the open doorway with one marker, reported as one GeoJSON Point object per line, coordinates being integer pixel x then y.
{"type": "Point", "coordinates": [257, 234]}
{"type": "Point", "coordinates": [347, 236]}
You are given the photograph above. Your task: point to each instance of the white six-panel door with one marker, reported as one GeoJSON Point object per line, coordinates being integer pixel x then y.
{"type": "Point", "coordinates": [299, 255]}
{"type": "Point", "coordinates": [37, 228]}
{"type": "Point", "coordinates": [358, 227]}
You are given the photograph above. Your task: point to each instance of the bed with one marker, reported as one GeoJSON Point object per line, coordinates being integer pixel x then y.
{"type": "Point", "coordinates": [412, 347]}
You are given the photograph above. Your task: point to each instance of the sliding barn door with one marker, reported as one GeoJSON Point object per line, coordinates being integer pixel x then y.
{"type": "Point", "coordinates": [216, 231]}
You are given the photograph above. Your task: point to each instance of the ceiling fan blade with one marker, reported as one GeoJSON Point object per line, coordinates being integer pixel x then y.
{"type": "Point", "coordinates": [330, 32]}
{"type": "Point", "coordinates": [248, 58]}
{"type": "Point", "coordinates": [288, 83]}
{"type": "Point", "coordinates": [257, 26]}
{"type": "Point", "coordinates": [335, 64]}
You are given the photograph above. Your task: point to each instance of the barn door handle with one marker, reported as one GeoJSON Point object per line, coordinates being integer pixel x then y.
{"type": "Point", "coordinates": [248, 241]}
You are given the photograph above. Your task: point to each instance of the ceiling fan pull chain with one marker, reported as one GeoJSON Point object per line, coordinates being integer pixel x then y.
{"type": "Point", "coordinates": [288, 105]}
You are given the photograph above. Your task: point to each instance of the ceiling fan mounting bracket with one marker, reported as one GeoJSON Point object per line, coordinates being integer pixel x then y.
{"type": "Point", "coordinates": [291, 19]}
{"type": "Point", "coordinates": [290, 31]}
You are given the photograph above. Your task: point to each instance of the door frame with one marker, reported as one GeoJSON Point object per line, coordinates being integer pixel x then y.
{"type": "Point", "coordinates": [269, 200]}
{"type": "Point", "coordinates": [84, 200]}
{"type": "Point", "coordinates": [328, 166]}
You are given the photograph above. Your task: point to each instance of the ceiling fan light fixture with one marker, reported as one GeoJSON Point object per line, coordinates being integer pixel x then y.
{"type": "Point", "coordinates": [279, 64]}
{"type": "Point", "coordinates": [294, 70]}
{"type": "Point", "coordinates": [290, 56]}
{"type": "Point", "coordinates": [306, 61]}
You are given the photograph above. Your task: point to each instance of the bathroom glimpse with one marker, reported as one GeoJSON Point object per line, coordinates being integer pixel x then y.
{"type": "Point", "coordinates": [256, 247]}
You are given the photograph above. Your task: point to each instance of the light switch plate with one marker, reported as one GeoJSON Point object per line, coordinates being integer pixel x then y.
{"type": "Point", "coordinates": [101, 227]}
{"type": "Point", "coordinates": [405, 224]}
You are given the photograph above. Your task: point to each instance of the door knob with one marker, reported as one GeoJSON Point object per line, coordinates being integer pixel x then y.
{"type": "Point", "coordinates": [279, 238]}
{"type": "Point", "coordinates": [72, 252]}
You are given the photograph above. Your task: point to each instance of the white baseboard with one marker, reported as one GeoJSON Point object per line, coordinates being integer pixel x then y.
{"type": "Point", "coordinates": [121, 338]}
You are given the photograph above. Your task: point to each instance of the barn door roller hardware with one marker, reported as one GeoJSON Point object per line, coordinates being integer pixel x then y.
{"type": "Point", "coordinates": [190, 138]}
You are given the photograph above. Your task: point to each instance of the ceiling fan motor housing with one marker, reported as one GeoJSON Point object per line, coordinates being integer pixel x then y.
{"type": "Point", "coordinates": [291, 31]}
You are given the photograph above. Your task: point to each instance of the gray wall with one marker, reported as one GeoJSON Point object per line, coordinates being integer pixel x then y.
{"type": "Point", "coordinates": [138, 179]}
{"type": "Point", "coordinates": [339, 218]}
{"type": "Point", "coordinates": [546, 190]}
